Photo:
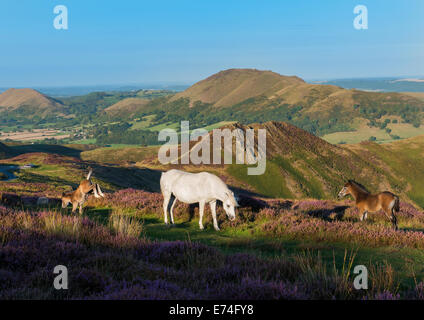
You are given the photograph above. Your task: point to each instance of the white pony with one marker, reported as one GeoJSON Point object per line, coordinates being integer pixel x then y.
{"type": "Point", "coordinates": [199, 188]}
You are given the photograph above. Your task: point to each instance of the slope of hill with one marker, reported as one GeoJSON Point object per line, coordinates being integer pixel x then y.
{"type": "Point", "coordinates": [301, 165]}
{"type": "Point", "coordinates": [15, 98]}
{"type": "Point", "coordinates": [229, 87]}
{"type": "Point", "coordinates": [4, 151]}
{"type": "Point", "coordinates": [418, 95]}
{"type": "Point", "coordinates": [127, 107]}
{"type": "Point", "coordinates": [403, 158]}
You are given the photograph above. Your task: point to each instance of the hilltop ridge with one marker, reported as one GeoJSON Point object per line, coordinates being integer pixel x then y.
{"type": "Point", "coordinates": [232, 86]}
{"type": "Point", "coordinates": [15, 98]}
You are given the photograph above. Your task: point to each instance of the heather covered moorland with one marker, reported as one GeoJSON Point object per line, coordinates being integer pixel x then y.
{"type": "Point", "coordinates": [276, 249]}
{"type": "Point", "coordinates": [293, 247]}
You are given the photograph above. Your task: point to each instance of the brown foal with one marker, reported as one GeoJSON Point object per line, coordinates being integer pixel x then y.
{"type": "Point", "coordinates": [79, 196]}
{"type": "Point", "coordinates": [367, 202]}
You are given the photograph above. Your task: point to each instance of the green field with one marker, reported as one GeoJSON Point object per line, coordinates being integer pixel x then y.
{"type": "Point", "coordinates": [363, 133]}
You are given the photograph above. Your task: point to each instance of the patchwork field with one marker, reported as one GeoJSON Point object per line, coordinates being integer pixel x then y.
{"type": "Point", "coordinates": [363, 132]}
{"type": "Point", "coordinates": [33, 135]}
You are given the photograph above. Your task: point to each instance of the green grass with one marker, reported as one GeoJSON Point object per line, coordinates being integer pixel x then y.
{"type": "Point", "coordinates": [120, 154]}
{"type": "Point", "coordinates": [271, 184]}
{"type": "Point", "coordinates": [144, 124]}
{"type": "Point", "coordinates": [406, 161]}
{"type": "Point", "coordinates": [84, 141]}
{"type": "Point", "coordinates": [312, 186]}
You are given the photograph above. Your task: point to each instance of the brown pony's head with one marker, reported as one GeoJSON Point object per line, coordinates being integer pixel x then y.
{"type": "Point", "coordinates": [66, 200]}
{"type": "Point", "coordinates": [347, 189]}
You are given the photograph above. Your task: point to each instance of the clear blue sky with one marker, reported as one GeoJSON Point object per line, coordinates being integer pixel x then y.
{"type": "Point", "coordinates": [129, 42]}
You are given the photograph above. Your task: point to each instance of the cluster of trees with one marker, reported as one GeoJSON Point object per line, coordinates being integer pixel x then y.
{"type": "Point", "coordinates": [121, 133]}
{"type": "Point", "coordinates": [407, 112]}
{"type": "Point", "coordinates": [257, 109]}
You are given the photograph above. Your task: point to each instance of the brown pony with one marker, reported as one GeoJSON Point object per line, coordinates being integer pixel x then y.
{"type": "Point", "coordinates": [367, 202]}
{"type": "Point", "coordinates": [79, 196]}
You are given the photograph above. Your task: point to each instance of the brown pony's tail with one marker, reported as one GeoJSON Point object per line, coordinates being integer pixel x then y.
{"type": "Point", "coordinates": [396, 207]}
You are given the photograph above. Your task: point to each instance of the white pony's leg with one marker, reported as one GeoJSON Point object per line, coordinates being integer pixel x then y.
{"type": "Point", "coordinates": [166, 198]}
{"type": "Point", "coordinates": [172, 210]}
{"type": "Point", "coordinates": [213, 209]}
{"type": "Point", "coordinates": [201, 208]}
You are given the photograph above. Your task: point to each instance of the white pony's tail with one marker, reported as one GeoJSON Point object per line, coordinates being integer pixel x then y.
{"type": "Point", "coordinates": [89, 174]}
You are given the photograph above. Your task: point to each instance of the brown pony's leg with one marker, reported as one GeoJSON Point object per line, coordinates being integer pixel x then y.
{"type": "Point", "coordinates": [392, 218]}
{"type": "Point", "coordinates": [364, 215]}
{"type": "Point", "coordinates": [74, 207]}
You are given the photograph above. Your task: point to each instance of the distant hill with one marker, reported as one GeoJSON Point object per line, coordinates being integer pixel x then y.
{"type": "Point", "coordinates": [229, 87]}
{"type": "Point", "coordinates": [15, 98]}
{"type": "Point", "coordinates": [23, 105]}
{"type": "Point", "coordinates": [379, 84]}
{"type": "Point", "coordinates": [126, 107]}
{"type": "Point", "coordinates": [248, 96]}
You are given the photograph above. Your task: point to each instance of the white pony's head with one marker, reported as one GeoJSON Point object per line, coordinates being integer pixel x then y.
{"type": "Point", "coordinates": [229, 204]}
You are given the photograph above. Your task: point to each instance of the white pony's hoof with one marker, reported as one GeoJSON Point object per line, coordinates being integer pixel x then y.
{"type": "Point", "coordinates": [201, 227]}
{"type": "Point", "coordinates": [217, 229]}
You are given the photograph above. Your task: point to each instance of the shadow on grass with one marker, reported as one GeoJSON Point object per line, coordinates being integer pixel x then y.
{"type": "Point", "coordinates": [336, 213]}
{"type": "Point", "coordinates": [45, 148]}
{"type": "Point", "coordinates": [100, 215]}
{"type": "Point", "coordinates": [38, 178]}
{"type": "Point", "coordinates": [128, 177]}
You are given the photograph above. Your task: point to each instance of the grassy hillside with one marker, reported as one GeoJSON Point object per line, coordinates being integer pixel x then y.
{"type": "Point", "coordinates": [229, 87]}
{"type": "Point", "coordinates": [127, 107]}
{"type": "Point", "coordinates": [120, 155]}
{"type": "Point", "coordinates": [301, 165]}
{"type": "Point", "coordinates": [403, 158]}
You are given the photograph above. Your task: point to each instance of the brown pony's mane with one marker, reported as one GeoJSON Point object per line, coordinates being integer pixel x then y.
{"type": "Point", "coordinates": [359, 186]}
